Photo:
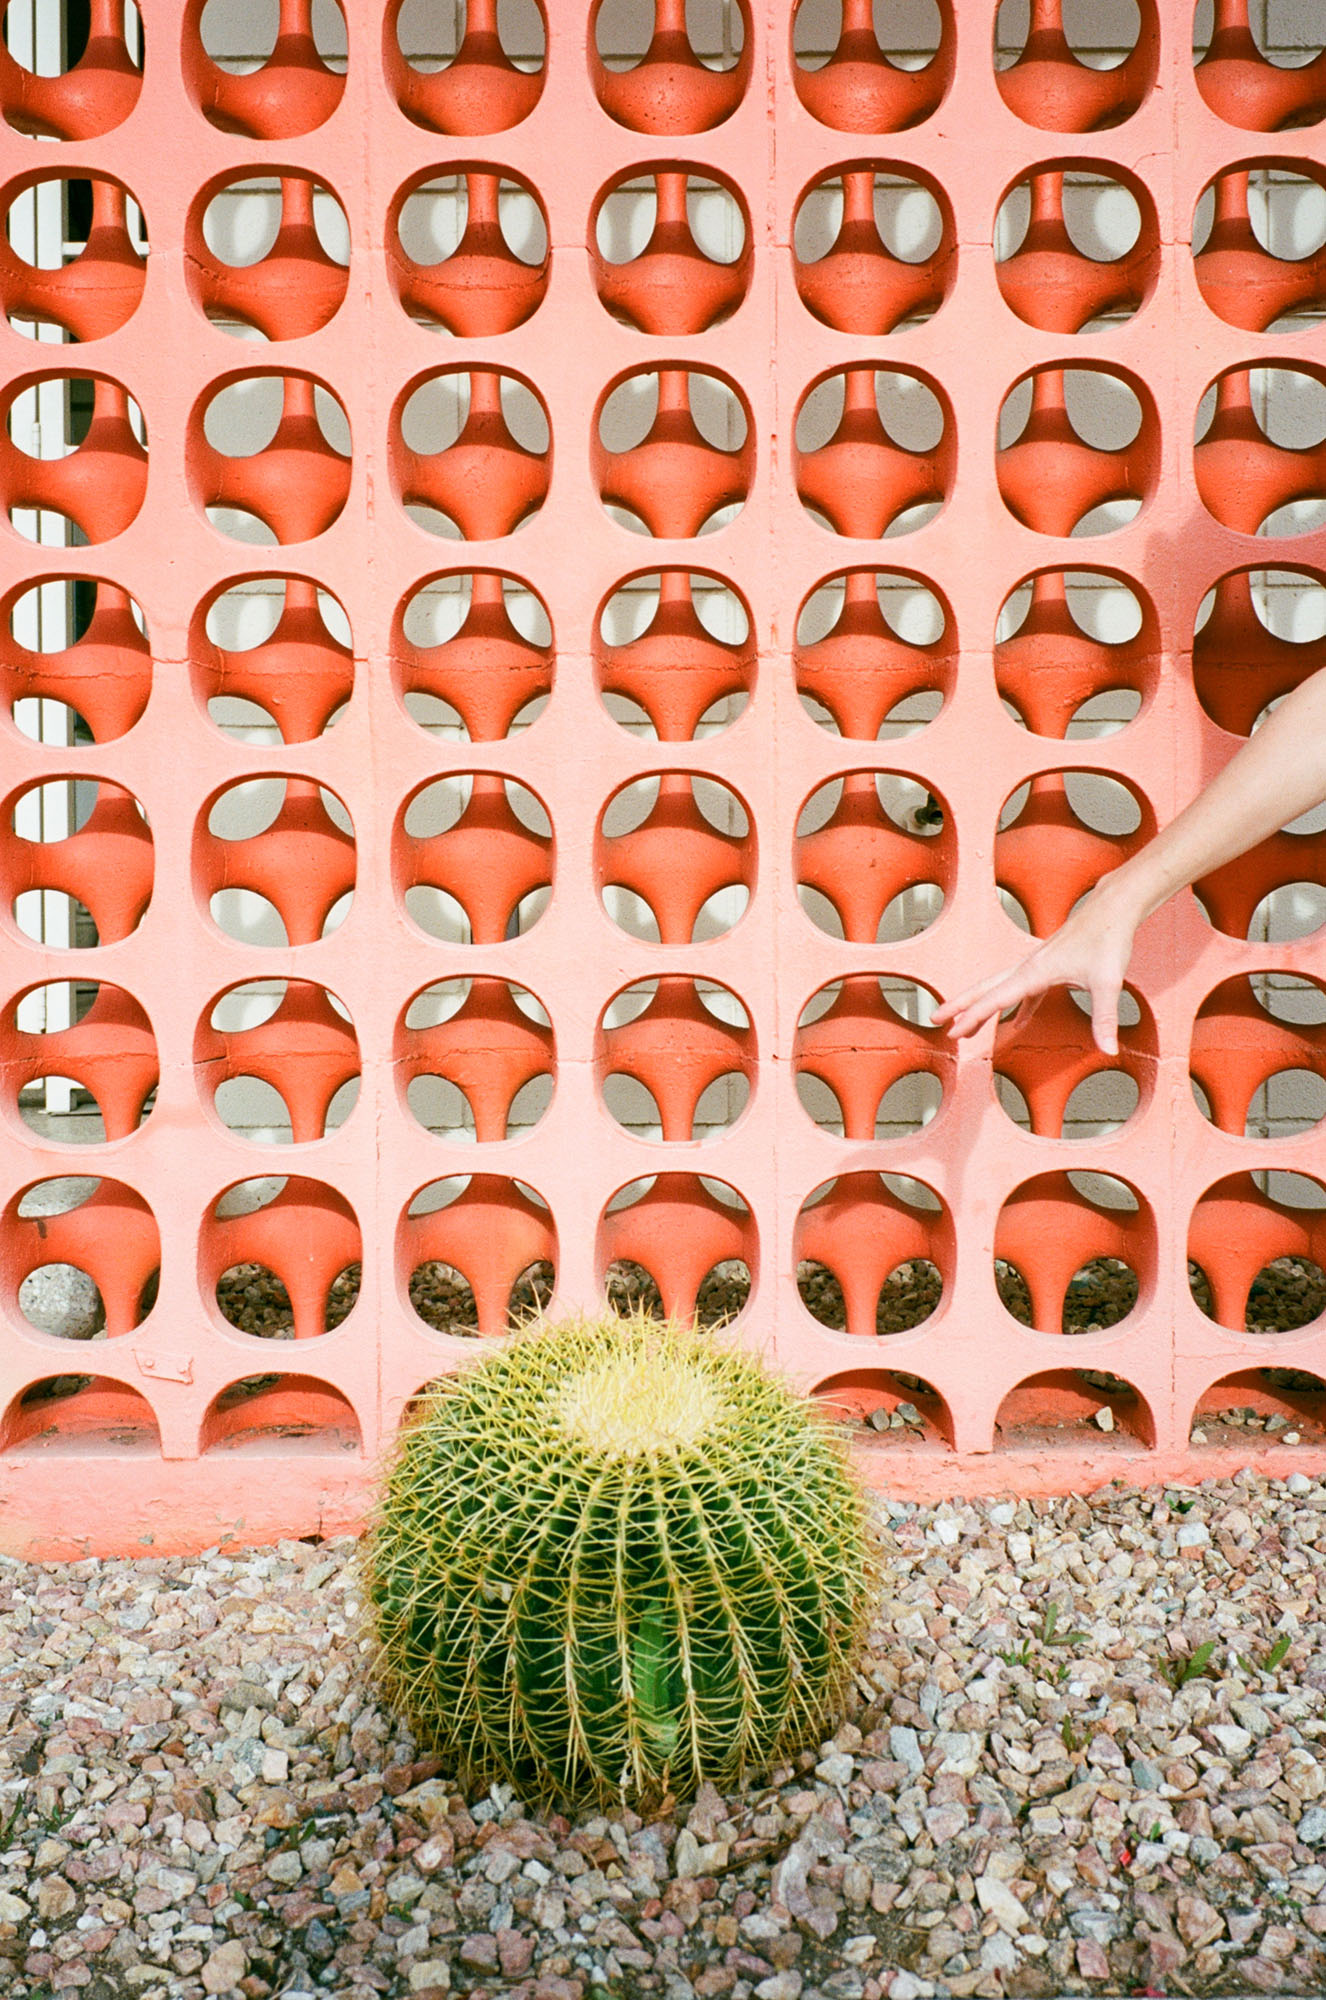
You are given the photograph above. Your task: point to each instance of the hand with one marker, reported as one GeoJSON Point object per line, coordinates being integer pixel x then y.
{"type": "Point", "coordinates": [1090, 951]}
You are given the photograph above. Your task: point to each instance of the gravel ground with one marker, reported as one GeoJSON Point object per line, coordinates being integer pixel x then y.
{"type": "Point", "coordinates": [1085, 1756]}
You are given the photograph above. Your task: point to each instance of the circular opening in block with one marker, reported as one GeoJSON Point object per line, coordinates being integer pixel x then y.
{"type": "Point", "coordinates": [1077, 450]}
{"type": "Point", "coordinates": [1256, 637]}
{"type": "Point", "coordinates": [1256, 1248]}
{"type": "Point", "coordinates": [675, 856]}
{"type": "Point", "coordinates": [1086, 72]}
{"type": "Point", "coordinates": [1057, 834]}
{"type": "Point", "coordinates": [1074, 1251]}
{"type": "Point", "coordinates": [82, 1060]}
{"type": "Point", "coordinates": [875, 654]}
{"type": "Point", "coordinates": [267, 255]}
{"type": "Point", "coordinates": [675, 1059]}
{"type": "Point", "coordinates": [673, 70]}
{"type": "Point", "coordinates": [887, 1408]}
{"type": "Point", "coordinates": [675, 655]}
{"type": "Point", "coordinates": [468, 251]}
{"type": "Point", "coordinates": [1074, 1409]}
{"type": "Point", "coordinates": [76, 667]}
{"type": "Point", "coordinates": [255, 82]}
{"type": "Point", "coordinates": [73, 463]}
{"type": "Point", "coordinates": [262, 1414]}
{"type": "Point", "coordinates": [466, 69]}
{"type": "Point", "coordinates": [875, 452]}
{"type": "Point", "coordinates": [864, 69]}
{"type": "Point", "coordinates": [873, 1253]}
{"type": "Point", "coordinates": [281, 1257]}
{"type": "Point", "coordinates": [670, 248]}
{"type": "Point", "coordinates": [476, 1059]}
{"type": "Point", "coordinates": [473, 656]}
{"type": "Point", "coordinates": [875, 856]}
{"type": "Point", "coordinates": [72, 85]}
{"type": "Point", "coordinates": [1051, 1079]}
{"type": "Point", "coordinates": [477, 1253]}
{"type": "Point", "coordinates": [1260, 73]}
{"type": "Point", "coordinates": [873, 248]}
{"type": "Point", "coordinates": [1077, 653]}
{"type": "Point", "coordinates": [83, 1256]}
{"type": "Point", "coordinates": [77, 868]}
{"type": "Point", "coordinates": [1260, 451]}
{"type": "Point", "coordinates": [79, 258]}
{"type": "Point", "coordinates": [868, 1064]}
{"type": "Point", "coordinates": [279, 1060]}
{"type": "Point", "coordinates": [1258, 235]}
{"type": "Point", "coordinates": [474, 858]}
{"type": "Point", "coordinates": [673, 452]}
{"type": "Point", "coordinates": [274, 860]}
{"type": "Point", "coordinates": [1261, 1407]}
{"type": "Point", "coordinates": [471, 453]}
{"type": "Point", "coordinates": [1256, 1061]}
{"type": "Point", "coordinates": [678, 1246]}
{"type": "Point", "coordinates": [269, 457]}
{"type": "Point", "coordinates": [271, 659]}
{"type": "Point", "coordinates": [1077, 250]}
{"type": "Point", "coordinates": [77, 1417]}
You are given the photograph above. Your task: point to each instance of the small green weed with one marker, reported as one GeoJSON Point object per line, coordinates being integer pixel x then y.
{"type": "Point", "coordinates": [1180, 1671]}
{"type": "Point", "coordinates": [1050, 1634]}
{"type": "Point", "coordinates": [1270, 1659]}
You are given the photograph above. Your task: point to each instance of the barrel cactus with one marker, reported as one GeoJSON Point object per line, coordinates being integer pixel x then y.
{"type": "Point", "coordinates": [614, 1559]}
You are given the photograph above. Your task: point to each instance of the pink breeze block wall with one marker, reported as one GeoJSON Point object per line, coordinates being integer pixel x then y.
{"type": "Point", "coordinates": [148, 1439]}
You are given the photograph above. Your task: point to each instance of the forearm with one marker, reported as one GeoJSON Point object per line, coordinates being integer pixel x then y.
{"type": "Point", "coordinates": [1276, 775]}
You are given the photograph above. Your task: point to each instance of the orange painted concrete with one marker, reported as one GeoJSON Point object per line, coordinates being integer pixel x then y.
{"type": "Point", "coordinates": [154, 1451]}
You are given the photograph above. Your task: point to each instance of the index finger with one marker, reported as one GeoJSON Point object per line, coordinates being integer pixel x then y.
{"type": "Point", "coordinates": [979, 1004]}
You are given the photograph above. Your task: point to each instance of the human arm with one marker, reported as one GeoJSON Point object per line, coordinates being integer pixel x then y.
{"type": "Point", "coordinates": [1277, 774]}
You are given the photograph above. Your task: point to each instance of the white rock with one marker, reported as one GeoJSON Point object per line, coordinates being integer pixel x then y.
{"type": "Point", "coordinates": [905, 1748]}
{"type": "Point", "coordinates": [430, 1972]}
{"type": "Point", "coordinates": [1105, 1418]}
{"type": "Point", "coordinates": [782, 1986]}
{"type": "Point", "coordinates": [226, 1967]}
{"type": "Point", "coordinates": [999, 1954]}
{"type": "Point", "coordinates": [961, 1751]}
{"type": "Point", "coordinates": [1193, 1535]}
{"type": "Point", "coordinates": [998, 1901]}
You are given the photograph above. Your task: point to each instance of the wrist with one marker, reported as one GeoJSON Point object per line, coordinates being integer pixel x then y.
{"type": "Point", "coordinates": [1125, 897]}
